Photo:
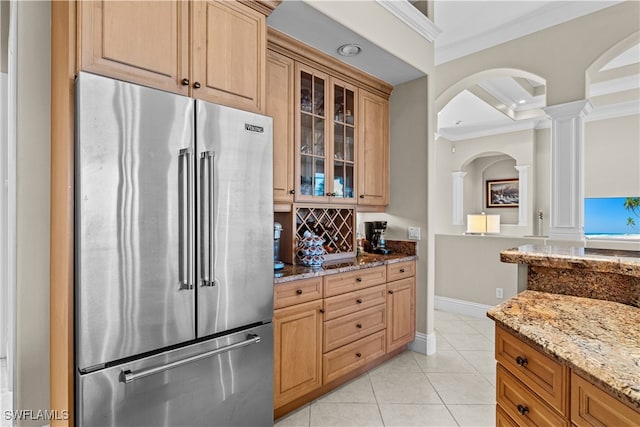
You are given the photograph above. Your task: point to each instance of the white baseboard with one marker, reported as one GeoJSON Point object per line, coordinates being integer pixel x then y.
{"type": "Point", "coordinates": [424, 343]}
{"type": "Point", "coordinates": [459, 306]}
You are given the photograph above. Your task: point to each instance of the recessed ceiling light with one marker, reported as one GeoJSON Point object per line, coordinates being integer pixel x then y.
{"type": "Point", "coordinates": [349, 50]}
{"type": "Point", "coordinates": [522, 101]}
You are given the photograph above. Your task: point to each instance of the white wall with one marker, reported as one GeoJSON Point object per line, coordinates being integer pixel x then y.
{"type": "Point", "coordinates": [33, 147]}
{"type": "Point", "coordinates": [612, 157]}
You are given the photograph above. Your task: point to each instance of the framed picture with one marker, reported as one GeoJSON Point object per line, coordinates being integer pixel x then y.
{"type": "Point", "coordinates": [503, 193]}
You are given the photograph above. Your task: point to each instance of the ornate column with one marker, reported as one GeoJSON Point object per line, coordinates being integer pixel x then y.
{"type": "Point", "coordinates": [458, 196]}
{"type": "Point", "coordinates": [567, 169]}
{"type": "Point", "coordinates": [524, 205]}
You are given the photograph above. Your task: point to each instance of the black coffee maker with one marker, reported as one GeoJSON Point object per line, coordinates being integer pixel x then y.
{"type": "Point", "coordinates": [374, 233]}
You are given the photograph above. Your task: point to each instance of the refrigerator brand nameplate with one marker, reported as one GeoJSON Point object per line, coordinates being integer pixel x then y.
{"type": "Point", "coordinates": [253, 128]}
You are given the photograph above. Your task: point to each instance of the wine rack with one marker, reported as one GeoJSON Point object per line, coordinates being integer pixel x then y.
{"type": "Point", "coordinates": [335, 225]}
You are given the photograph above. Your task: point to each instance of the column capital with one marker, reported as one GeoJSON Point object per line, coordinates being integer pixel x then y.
{"type": "Point", "coordinates": [569, 110]}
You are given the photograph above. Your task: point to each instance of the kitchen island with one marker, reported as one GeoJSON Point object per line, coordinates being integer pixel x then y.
{"type": "Point", "coordinates": [568, 347]}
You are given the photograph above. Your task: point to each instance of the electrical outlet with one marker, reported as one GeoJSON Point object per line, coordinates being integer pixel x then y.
{"type": "Point", "coordinates": [414, 233]}
{"type": "Point", "coordinates": [499, 293]}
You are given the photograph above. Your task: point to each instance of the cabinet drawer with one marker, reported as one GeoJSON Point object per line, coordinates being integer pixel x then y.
{"type": "Point", "coordinates": [400, 270]}
{"type": "Point", "coordinates": [345, 359]}
{"type": "Point", "coordinates": [591, 406]}
{"type": "Point", "coordinates": [346, 329]}
{"type": "Point", "coordinates": [351, 302]}
{"type": "Point", "coordinates": [337, 284]}
{"type": "Point", "coordinates": [546, 377]}
{"type": "Point", "coordinates": [502, 419]}
{"type": "Point", "coordinates": [522, 405]}
{"type": "Point", "coordinates": [297, 292]}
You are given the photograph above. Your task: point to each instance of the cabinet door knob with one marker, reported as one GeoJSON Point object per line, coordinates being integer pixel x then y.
{"type": "Point", "coordinates": [362, 196]}
{"type": "Point", "coordinates": [522, 361]}
{"type": "Point", "coordinates": [390, 291]}
{"type": "Point", "coordinates": [359, 300]}
{"type": "Point", "coordinates": [358, 354]}
{"type": "Point", "coordinates": [402, 270]}
{"type": "Point", "coordinates": [523, 409]}
{"type": "Point", "coordinates": [359, 325]}
{"type": "Point", "coordinates": [322, 310]}
{"type": "Point", "coordinates": [196, 85]}
{"type": "Point", "coordinates": [299, 291]}
{"type": "Point", "coordinates": [185, 82]}
{"type": "Point", "coordinates": [358, 279]}
{"type": "Point", "coordinates": [292, 191]}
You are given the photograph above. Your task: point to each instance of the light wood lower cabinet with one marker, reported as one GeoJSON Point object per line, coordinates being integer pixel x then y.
{"type": "Point", "coordinates": [401, 312]}
{"type": "Point", "coordinates": [327, 335]}
{"type": "Point", "coordinates": [297, 351]}
{"type": "Point", "coordinates": [533, 389]}
{"type": "Point", "coordinates": [591, 406]}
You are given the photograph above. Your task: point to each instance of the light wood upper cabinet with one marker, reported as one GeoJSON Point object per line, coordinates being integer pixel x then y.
{"type": "Point", "coordinates": [211, 50]}
{"type": "Point", "coordinates": [279, 105]}
{"type": "Point", "coordinates": [144, 42]}
{"type": "Point", "coordinates": [228, 56]}
{"type": "Point", "coordinates": [373, 150]}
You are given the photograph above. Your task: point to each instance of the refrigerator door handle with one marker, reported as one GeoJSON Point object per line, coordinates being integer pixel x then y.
{"type": "Point", "coordinates": [127, 376]}
{"type": "Point", "coordinates": [207, 187]}
{"type": "Point", "coordinates": [185, 220]}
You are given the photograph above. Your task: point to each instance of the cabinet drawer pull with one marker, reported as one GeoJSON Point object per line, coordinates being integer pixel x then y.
{"type": "Point", "coordinates": [299, 291]}
{"type": "Point", "coordinates": [390, 291]}
{"type": "Point", "coordinates": [359, 300]}
{"type": "Point", "coordinates": [292, 191]}
{"type": "Point", "coordinates": [524, 410]}
{"type": "Point", "coordinates": [522, 361]}
{"type": "Point", "coordinates": [358, 354]}
{"type": "Point", "coordinates": [362, 196]}
{"type": "Point", "coordinates": [402, 270]}
{"type": "Point", "coordinates": [359, 325]}
{"type": "Point", "coordinates": [358, 279]}
{"type": "Point", "coordinates": [196, 85]}
{"type": "Point", "coordinates": [185, 82]}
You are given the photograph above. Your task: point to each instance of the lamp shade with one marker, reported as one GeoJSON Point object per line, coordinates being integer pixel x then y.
{"type": "Point", "coordinates": [482, 224]}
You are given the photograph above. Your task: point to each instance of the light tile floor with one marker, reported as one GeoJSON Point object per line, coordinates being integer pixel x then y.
{"type": "Point", "coordinates": [454, 387]}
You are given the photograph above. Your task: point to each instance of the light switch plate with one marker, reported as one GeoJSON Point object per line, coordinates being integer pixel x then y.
{"type": "Point", "coordinates": [414, 233]}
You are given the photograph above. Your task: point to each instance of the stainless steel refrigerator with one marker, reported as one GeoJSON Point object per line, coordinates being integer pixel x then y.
{"type": "Point", "coordinates": [174, 260]}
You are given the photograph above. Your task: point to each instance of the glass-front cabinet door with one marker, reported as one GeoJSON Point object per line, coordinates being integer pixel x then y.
{"type": "Point", "coordinates": [325, 138]}
{"type": "Point", "coordinates": [312, 129]}
{"type": "Point", "coordinates": [343, 142]}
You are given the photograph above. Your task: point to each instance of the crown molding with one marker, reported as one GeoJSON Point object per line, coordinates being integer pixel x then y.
{"type": "Point", "coordinates": [546, 16]}
{"type": "Point", "coordinates": [412, 17]}
{"type": "Point", "coordinates": [613, 111]}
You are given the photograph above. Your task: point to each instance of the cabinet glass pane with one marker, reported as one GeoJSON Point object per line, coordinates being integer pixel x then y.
{"type": "Point", "coordinates": [348, 145]}
{"type": "Point", "coordinates": [348, 180]}
{"type": "Point", "coordinates": [318, 96]}
{"type": "Point", "coordinates": [338, 141]}
{"type": "Point", "coordinates": [305, 92]}
{"type": "Point", "coordinates": [349, 108]}
{"type": "Point", "coordinates": [318, 184]}
{"type": "Point", "coordinates": [338, 100]}
{"type": "Point", "coordinates": [318, 129]}
{"type": "Point", "coordinates": [306, 175]}
{"type": "Point", "coordinates": [338, 179]}
{"type": "Point", "coordinates": [306, 134]}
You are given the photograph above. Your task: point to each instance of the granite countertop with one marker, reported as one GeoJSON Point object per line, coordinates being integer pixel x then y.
{"type": "Point", "coordinates": [598, 339]}
{"type": "Point", "coordinates": [366, 260]}
{"type": "Point", "coordinates": [600, 260]}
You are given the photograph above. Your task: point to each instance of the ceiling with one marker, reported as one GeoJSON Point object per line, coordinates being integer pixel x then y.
{"type": "Point", "coordinates": [493, 106]}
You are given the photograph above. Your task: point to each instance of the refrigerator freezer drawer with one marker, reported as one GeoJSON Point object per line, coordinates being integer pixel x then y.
{"type": "Point", "coordinates": [226, 381]}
